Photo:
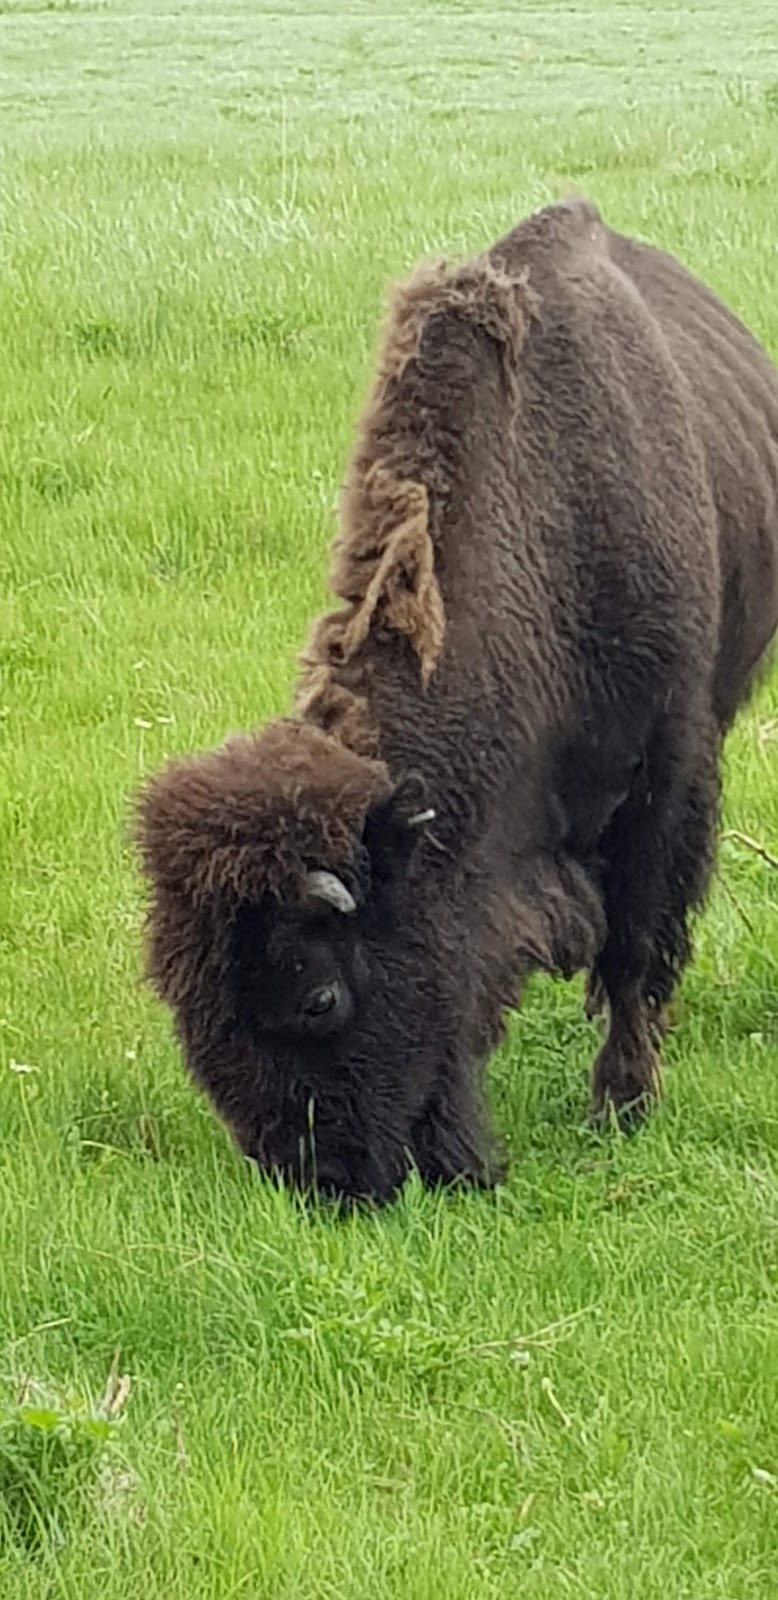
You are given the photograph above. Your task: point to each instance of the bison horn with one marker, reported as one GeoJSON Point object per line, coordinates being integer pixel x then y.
{"type": "Point", "coordinates": [326, 887]}
{"type": "Point", "coordinates": [421, 818]}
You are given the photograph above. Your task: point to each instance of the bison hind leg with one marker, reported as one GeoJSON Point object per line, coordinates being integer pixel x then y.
{"type": "Point", "coordinates": [626, 1073]}
{"type": "Point", "coordinates": [658, 1017]}
{"type": "Point", "coordinates": [658, 854]}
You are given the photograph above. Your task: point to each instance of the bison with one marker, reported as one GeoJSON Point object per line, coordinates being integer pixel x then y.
{"type": "Point", "coordinates": [558, 562]}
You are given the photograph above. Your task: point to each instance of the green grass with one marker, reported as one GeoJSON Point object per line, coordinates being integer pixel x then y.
{"type": "Point", "coordinates": [200, 209]}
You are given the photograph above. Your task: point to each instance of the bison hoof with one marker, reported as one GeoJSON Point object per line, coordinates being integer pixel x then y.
{"type": "Point", "coordinates": [625, 1083]}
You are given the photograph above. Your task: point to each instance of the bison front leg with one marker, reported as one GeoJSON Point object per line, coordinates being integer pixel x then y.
{"type": "Point", "coordinates": [452, 1142]}
{"type": "Point", "coordinates": [658, 853]}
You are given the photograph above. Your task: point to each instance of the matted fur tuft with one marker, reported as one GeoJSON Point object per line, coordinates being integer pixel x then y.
{"type": "Point", "coordinates": [248, 819]}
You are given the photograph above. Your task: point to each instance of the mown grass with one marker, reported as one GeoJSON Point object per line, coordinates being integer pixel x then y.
{"type": "Point", "coordinates": [568, 1388]}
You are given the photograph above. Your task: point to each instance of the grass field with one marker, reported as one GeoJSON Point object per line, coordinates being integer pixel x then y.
{"type": "Point", "coordinates": [567, 1389]}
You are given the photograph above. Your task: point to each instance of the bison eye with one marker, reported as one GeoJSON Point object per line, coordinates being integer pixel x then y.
{"type": "Point", "coordinates": [319, 1001]}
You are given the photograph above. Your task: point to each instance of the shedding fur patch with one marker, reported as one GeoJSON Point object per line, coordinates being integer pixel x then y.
{"type": "Point", "coordinates": [389, 561]}
{"type": "Point", "coordinates": [383, 564]}
{"type": "Point", "coordinates": [385, 571]}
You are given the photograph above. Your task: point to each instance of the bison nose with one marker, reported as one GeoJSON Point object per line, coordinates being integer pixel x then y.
{"type": "Point", "coordinates": [332, 1177]}
{"type": "Point", "coordinates": [328, 1178]}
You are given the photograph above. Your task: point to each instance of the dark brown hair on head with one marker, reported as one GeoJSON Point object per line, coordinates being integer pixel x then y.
{"type": "Point", "coordinates": [250, 818]}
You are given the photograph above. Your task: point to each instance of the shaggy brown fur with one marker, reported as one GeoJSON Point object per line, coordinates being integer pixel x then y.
{"type": "Point", "coordinates": [384, 557]}
{"type": "Point", "coordinates": [558, 559]}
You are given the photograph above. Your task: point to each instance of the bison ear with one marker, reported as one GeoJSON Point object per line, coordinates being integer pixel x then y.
{"type": "Point", "coordinates": [394, 825]}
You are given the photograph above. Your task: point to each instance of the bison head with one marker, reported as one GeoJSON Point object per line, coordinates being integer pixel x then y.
{"type": "Point", "coordinates": [313, 999]}
{"type": "Point", "coordinates": [337, 980]}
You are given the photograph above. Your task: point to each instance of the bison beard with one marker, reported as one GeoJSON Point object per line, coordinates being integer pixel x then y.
{"type": "Point", "coordinates": [558, 558]}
